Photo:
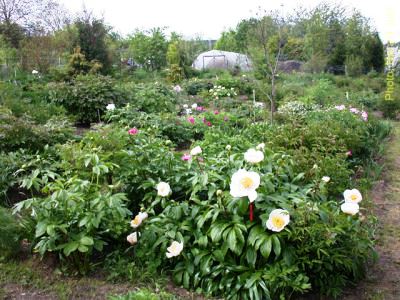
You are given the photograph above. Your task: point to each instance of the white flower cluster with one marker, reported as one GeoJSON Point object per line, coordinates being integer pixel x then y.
{"type": "Point", "coordinates": [297, 109]}
{"type": "Point", "coordinates": [220, 91]}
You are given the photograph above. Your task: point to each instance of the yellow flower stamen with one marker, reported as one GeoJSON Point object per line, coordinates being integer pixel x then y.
{"type": "Point", "coordinates": [136, 220]}
{"type": "Point", "coordinates": [278, 221]}
{"type": "Point", "coordinates": [246, 182]}
{"type": "Point", "coordinates": [353, 197]}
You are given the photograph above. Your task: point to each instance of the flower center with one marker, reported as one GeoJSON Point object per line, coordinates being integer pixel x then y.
{"type": "Point", "coordinates": [246, 182]}
{"type": "Point", "coordinates": [353, 197]}
{"type": "Point", "coordinates": [136, 221]}
{"type": "Point", "coordinates": [278, 221]}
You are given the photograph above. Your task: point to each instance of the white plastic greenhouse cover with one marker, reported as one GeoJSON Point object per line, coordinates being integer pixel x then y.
{"type": "Point", "coordinates": [217, 59]}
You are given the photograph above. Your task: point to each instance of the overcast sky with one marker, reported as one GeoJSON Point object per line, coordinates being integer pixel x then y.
{"type": "Point", "coordinates": [208, 18]}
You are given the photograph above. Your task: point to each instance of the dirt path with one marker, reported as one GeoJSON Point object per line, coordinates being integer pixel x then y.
{"type": "Point", "coordinates": [383, 279]}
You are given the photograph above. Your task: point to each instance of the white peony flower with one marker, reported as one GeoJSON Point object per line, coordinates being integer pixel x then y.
{"type": "Point", "coordinates": [326, 179]}
{"type": "Point", "coordinates": [350, 208]}
{"type": "Point", "coordinates": [188, 111]}
{"type": "Point", "coordinates": [34, 72]}
{"type": "Point", "coordinates": [253, 156]}
{"type": "Point", "coordinates": [110, 106]}
{"type": "Point", "coordinates": [195, 151]}
{"type": "Point", "coordinates": [132, 238]}
{"type": "Point", "coordinates": [261, 146]}
{"type": "Point", "coordinates": [177, 89]}
{"type": "Point", "coordinates": [278, 219]}
{"type": "Point", "coordinates": [175, 249]}
{"type": "Point", "coordinates": [194, 105]}
{"type": "Point", "coordinates": [139, 218]}
{"type": "Point", "coordinates": [185, 106]}
{"type": "Point", "coordinates": [244, 184]}
{"type": "Point", "coordinates": [353, 196]}
{"type": "Point", "coordinates": [163, 189]}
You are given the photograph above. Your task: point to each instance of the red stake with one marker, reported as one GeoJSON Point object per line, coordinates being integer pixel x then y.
{"type": "Point", "coordinates": [251, 211]}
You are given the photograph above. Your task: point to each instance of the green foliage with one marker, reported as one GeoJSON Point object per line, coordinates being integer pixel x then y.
{"type": "Point", "coordinates": [10, 234]}
{"type": "Point", "coordinates": [92, 41]}
{"type": "Point", "coordinates": [227, 42]}
{"type": "Point", "coordinates": [79, 65]}
{"type": "Point", "coordinates": [153, 97]}
{"type": "Point", "coordinates": [354, 65]}
{"type": "Point", "coordinates": [149, 49]}
{"type": "Point", "coordinates": [144, 294]}
{"type": "Point", "coordinates": [86, 97]}
{"type": "Point", "coordinates": [22, 133]}
{"type": "Point", "coordinates": [79, 216]}
{"type": "Point", "coordinates": [227, 255]}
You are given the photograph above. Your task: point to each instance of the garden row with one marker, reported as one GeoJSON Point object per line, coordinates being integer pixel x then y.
{"type": "Point", "coordinates": [238, 211]}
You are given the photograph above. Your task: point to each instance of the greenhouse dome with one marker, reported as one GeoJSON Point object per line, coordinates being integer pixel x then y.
{"type": "Point", "coordinates": [217, 59]}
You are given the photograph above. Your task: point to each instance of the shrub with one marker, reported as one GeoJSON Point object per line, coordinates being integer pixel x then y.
{"type": "Point", "coordinates": [86, 97]}
{"type": "Point", "coordinates": [195, 86]}
{"type": "Point", "coordinates": [9, 234]}
{"type": "Point", "coordinates": [151, 98]}
{"type": "Point", "coordinates": [390, 108]}
{"type": "Point", "coordinates": [226, 254]}
{"type": "Point", "coordinates": [23, 133]}
{"type": "Point", "coordinates": [79, 216]}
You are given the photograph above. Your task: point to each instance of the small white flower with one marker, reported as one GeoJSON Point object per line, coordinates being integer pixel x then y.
{"type": "Point", "coordinates": [194, 105]}
{"type": "Point", "coordinates": [261, 146]}
{"type": "Point", "coordinates": [185, 106]}
{"type": "Point", "coordinates": [253, 156]}
{"type": "Point", "coordinates": [228, 147]}
{"type": "Point", "coordinates": [139, 218]}
{"type": "Point", "coordinates": [195, 151]}
{"type": "Point", "coordinates": [353, 196]}
{"type": "Point", "coordinates": [34, 72]}
{"type": "Point", "coordinates": [132, 238]}
{"type": "Point", "coordinates": [278, 219]}
{"type": "Point", "coordinates": [163, 189]}
{"type": "Point", "coordinates": [326, 179]}
{"type": "Point", "coordinates": [350, 208]}
{"type": "Point", "coordinates": [110, 106]}
{"type": "Point", "coordinates": [188, 111]}
{"type": "Point", "coordinates": [177, 89]}
{"type": "Point", "coordinates": [244, 183]}
{"type": "Point", "coordinates": [175, 249]}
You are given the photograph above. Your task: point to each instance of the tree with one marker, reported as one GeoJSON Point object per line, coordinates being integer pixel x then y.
{"type": "Point", "coordinates": [149, 49]}
{"type": "Point", "coordinates": [265, 56]}
{"type": "Point", "coordinates": [375, 57]}
{"type": "Point", "coordinates": [227, 42]}
{"type": "Point", "coordinates": [12, 33]}
{"type": "Point", "coordinates": [91, 39]}
{"type": "Point", "coordinates": [34, 15]}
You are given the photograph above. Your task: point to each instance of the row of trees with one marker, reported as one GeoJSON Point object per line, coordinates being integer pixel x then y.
{"type": "Point", "coordinates": [327, 37]}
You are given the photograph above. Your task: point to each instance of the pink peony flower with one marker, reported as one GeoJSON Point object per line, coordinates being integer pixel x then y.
{"type": "Point", "coordinates": [354, 110]}
{"type": "Point", "coordinates": [191, 119]}
{"type": "Point", "coordinates": [186, 157]}
{"type": "Point", "coordinates": [340, 107]}
{"type": "Point", "coordinates": [133, 131]}
{"type": "Point", "coordinates": [208, 123]}
{"type": "Point", "coordinates": [200, 108]}
{"type": "Point", "coordinates": [349, 153]}
{"type": "Point", "coordinates": [204, 120]}
{"type": "Point", "coordinates": [216, 112]}
{"type": "Point", "coordinates": [364, 115]}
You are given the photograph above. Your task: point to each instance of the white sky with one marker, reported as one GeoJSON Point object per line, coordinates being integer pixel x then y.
{"type": "Point", "coordinates": [208, 18]}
